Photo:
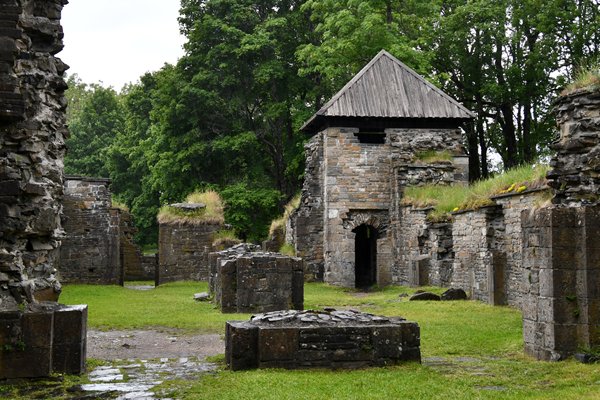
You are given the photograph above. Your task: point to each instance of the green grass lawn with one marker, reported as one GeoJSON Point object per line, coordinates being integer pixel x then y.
{"type": "Point", "coordinates": [471, 350]}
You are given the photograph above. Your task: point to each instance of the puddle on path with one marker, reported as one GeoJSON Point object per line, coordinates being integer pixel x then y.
{"type": "Point", "coordinates": [134, 379]}
{"type": "Point", "coordinates": [122, 380]}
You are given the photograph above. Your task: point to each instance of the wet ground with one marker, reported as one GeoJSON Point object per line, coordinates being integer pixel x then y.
{"type": "Point", "coordinates": [136, 362]}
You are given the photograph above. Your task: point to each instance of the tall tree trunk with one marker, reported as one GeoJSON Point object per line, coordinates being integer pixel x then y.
{"type": "Point", "coordinates": [505, 108]}
{"type": "Point", "coordinates": [474, 169]}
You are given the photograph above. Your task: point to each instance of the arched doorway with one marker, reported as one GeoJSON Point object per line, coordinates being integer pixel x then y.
{"type": "Point", "coordinates": [365, 250]}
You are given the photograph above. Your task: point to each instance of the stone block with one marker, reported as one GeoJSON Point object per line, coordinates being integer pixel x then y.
{"type": "Point", "coordinates": [241, 345]}
{"type": "Point", "coordinates": [26, 340]}
{"type": "Point", "coordinates": [323, 339]}
{"type": "Point", "coordinates": [69, 344]}
{"type": "Point", "coordinates": [277, 344]}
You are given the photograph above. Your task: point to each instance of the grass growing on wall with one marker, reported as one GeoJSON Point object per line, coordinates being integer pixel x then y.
{"type": "Point", "coordinates": [587, 77]}
{"type": "Point", "coordinates": [280, 223]}
{"type": "Point", "coordinates": [432, 156]}
{"type": "Point", "coordinates": [446, 199]}
{"type": "Point", "coordinates": [212, 214]}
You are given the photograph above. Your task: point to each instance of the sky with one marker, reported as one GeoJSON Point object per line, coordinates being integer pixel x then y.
{"type": "Point", "coordinates": [114, 42]}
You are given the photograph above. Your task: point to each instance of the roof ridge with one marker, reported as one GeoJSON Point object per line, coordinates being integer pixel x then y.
{"type": "Point", "coordinates": [351, 82]}
{"type": "Point", "coordinates": [426, 82]}
{"type": "Point", "coordinates": [389, 89]}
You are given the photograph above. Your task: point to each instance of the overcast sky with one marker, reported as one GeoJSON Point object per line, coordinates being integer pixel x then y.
{"type": "Point", "coordinates": [117, 41]}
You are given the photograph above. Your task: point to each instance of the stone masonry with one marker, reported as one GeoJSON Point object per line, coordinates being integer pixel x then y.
{"type": "Point", "coordinates": [370, 140]}
{"type": "Point", "coordinates": [306, 223]}
{"type": "Point", "coordinates": [320, 339]}
{"type": "Point", "coordinates": [575, 175]}
{"type": "Point", "coordinates": [562, 257]}
{"type": "Point", "coordinates": [354, 187]}
{"type": "Point", "coordinates": [90, 252]}
{"type": "Point", "coordinates": [32, 146]}
{"type": "Point", "coordinates": [249, 282]}
{"type": "Point", "coordinates": [37, 336]}
{"type": "Point", "coordinates": [183, 249]}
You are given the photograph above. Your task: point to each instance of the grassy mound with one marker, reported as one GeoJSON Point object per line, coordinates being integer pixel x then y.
{"type": "Point", "coordinates": [212, 214]}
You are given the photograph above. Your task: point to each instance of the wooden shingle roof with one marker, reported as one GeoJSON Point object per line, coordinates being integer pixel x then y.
{"type": "Point", "coordinates": [387, 88]}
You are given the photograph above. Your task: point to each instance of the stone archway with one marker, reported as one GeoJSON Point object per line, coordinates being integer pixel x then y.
{"type": "Point", "coordinates": [365, 256]}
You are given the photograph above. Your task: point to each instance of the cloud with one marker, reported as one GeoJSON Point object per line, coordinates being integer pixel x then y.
{"type": "Point", "coordinates": [117, 41]}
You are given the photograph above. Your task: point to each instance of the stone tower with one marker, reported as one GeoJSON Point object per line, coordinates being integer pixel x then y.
{"type": "Point", "coordinates": [366, 146]}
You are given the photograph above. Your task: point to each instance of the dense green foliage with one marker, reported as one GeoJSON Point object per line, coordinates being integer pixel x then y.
{"type": "Point", "coordinates": [226, 117]}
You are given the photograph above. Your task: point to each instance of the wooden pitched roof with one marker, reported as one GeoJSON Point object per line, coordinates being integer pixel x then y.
{"type": "Point", "coordinates": [387, 88]}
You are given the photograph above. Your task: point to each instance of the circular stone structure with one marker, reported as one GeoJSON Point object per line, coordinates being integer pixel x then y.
{"type": "Point", "coordinates": [325, 338]}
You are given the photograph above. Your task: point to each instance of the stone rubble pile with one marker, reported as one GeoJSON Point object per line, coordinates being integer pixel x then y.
{"type": "Point", "coordinates": [326, 317]}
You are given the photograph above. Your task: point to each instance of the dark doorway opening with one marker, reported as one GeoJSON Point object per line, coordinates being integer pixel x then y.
{"type": "Point", "coordinates": [365, 250]}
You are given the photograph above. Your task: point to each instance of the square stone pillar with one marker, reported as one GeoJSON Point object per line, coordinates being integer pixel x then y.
{"type": "Point", "coordinates": [562, 256]}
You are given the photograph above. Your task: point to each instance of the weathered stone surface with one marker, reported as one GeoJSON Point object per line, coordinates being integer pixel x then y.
{"type": "Point", "coordinates": [575, 174]}
{"type": "Point", "coordinates": [69, 339]}
{"type": "Point", "coordinates": [43, 339]}
{"type": "Point", "coordinates": [322, 339]}
{"type": "Point", "coordinates": [454, 294]}
{"type": "Point", "coordinates": [562, 309]}
{"type": "Point", "coordinates": [424, 296]}
{"type": "Point", "coordinates": [91, 250]}
{"type": "Point", "coordinates": [242, 281]}
{"type": "Point", "coordinates": [183, 250]}
{"type": "Point", "coordinates": [33, 132]}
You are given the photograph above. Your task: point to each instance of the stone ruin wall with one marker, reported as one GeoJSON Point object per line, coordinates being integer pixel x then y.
{"type": "Point", "coordinates": [349, 182]}
{"type": "Point", "coordinates": [90, 252]}
{"type": "Point", "coordinates": [32, 145]}
{"type": "Point", "coordinates": [136, 266]}
{"type": "Point", "coordinates": [183, 250]}
{"type": "Point", "coordinates": [320, 339]}
{"type": "Point", "coordinates": [544, 260]}
{"type": "Point", "coordinates": [575, 174]}
{"type": "Point", "coordinates": [305, 226]}
{"type": "Point", "coordinates": [37, 335]}
{"type": "Point", "coordinates": [480, 251]}
{"type": "Point", "coordinates": [561, 314]}
{"type": "Point", "coordinates": [246, 281]}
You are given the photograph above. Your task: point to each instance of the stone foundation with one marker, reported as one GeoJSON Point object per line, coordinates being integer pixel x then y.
{"type": "Point", "coordinates": [256, 282]}
{"type": "Point", "coordinates": [320, 339]}
{"type": "Point", "coordinates": [42, 340]}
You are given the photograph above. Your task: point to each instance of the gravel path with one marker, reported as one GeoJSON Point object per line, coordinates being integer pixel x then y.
{"type": "Point", "coordinates": [151, 344]}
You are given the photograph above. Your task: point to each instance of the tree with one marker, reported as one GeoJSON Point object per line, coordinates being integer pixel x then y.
{"type": "Point", "coordinates": [94, 120]}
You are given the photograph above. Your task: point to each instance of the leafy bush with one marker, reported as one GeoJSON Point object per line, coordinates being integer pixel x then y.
{"type": "Point", "coordinates": [250, 210]}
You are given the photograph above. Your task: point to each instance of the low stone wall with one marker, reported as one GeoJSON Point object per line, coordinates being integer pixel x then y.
{"type": "Point", "coordinates": [320, 339]}
{"type": "Point", "coordinates": [183, 250]}
{"type": "Point", "coordinates": [480, 251]}
{"type": "Point", "coordinates": [43, 340]}
{"type": "Point", "coordinates": [91, 251]}
{"type": "Point", "coordinates": [256, 282]}
{"type": "Point", "coordinates": [149, 266]}
{"type": "Point", "coordinates": [479, 259]}
{"type": "Point", "coordinates": [561, 313]}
